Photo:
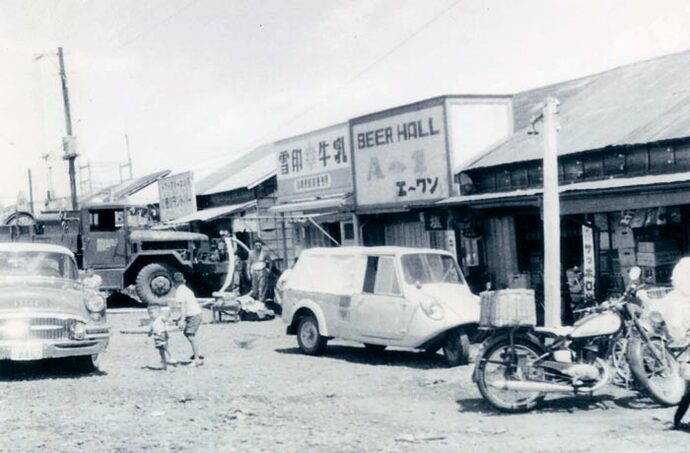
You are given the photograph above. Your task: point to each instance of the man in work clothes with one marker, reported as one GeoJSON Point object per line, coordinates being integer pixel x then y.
{"type": "Point", "coordinates": [190, 316]}
{"type": "Point", "coordinates": [258, 268]}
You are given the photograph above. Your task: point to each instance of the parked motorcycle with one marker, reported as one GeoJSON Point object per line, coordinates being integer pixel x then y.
{"type": "Point", "coordinates": [518, 366]}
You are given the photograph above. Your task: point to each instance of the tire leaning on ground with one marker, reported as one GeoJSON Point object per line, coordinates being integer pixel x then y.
{"type": "Point", "coordinates": [153, 283]}
{"type": "Point", "coordinates": [309, 338]}
{"type": "Point", "coordinates": [661, 381]}
{"type": "Point", "coordinates": [456, 347]}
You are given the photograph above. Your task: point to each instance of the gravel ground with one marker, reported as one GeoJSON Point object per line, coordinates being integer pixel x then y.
{"type": "Point", "coordinates": [256, 392]}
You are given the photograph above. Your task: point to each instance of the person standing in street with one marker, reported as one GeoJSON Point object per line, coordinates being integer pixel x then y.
{"type": "Point", "coordinates": [258, 268]}
{"type": "Point", "coordinates": [190, 316]}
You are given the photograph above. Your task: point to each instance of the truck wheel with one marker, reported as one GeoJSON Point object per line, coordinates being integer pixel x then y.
{"type": "Point", "coordinates": [456, 347]}
{"type": "Point", "coordinates": [154, 282]}
{"type": "Point", "coordinates": [309, 339]}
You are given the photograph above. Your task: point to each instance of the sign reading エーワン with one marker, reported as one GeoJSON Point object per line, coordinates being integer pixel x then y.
{"type": "Point", "coordinates": [401, 158]}
{"type": "Point", "coordinates": [314, 164]}
{"type": "Point", "coordinates": [177, 197]}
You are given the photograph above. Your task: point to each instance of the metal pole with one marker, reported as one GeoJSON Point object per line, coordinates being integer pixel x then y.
{"type": "Point", "coordinates": [552, 218]}
{"type": "Point", "coordinates": [31, 193]}
{"type": "Point", "coordinates": [70, 155]}
{"type": "Point", "coordinates": [286, 265]}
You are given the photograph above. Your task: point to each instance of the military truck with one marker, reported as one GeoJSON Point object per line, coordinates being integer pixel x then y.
{"type": "Point", "coordinates": [121, 244]}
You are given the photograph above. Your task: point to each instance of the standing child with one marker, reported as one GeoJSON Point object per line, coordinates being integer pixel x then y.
{"type": "Point", "coordinates": [158, 329]}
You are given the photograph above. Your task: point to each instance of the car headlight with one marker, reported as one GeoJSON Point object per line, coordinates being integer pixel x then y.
{"type": "Point", "coordinates": [78, 330]}
{"type": "Point", "coordinates": [95, 303]}
{"type": "Point", "coordinates": [432, 308]}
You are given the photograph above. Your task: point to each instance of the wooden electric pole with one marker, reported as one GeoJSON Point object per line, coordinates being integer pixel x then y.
{"type": "Point", "coordinates": [68, 142]}
{"type": "Point", "coordinates": [31, 193]}
{"type": "Point", "coordinates": [552, 217]}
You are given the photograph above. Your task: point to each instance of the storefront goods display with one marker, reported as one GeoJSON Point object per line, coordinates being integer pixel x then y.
{"type": "Point", "coordinates": [626, 256]}
{"type": "Point", "coordinates": [658, 258]}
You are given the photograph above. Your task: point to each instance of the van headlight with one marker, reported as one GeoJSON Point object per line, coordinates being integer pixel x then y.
{"type": "Point", "coordinates": [432, 308]}
{"type": "Point", "coordinates": [95, 302]}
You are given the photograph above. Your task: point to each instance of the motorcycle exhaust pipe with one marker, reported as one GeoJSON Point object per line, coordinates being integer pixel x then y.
{"type": "Point", "coordinates": [531, 386]}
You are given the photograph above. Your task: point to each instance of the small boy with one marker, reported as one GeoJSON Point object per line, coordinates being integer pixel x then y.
{"type": "Point", "coordinates": [158, 329]}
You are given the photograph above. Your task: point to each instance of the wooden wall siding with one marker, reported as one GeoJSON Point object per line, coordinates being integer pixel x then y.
{"type": "Point", "coordinates": [406, 234]}
{"type": "Point", "coordinates": [586, 166]}
{"type": "Point", "coordinates": [501, 249]}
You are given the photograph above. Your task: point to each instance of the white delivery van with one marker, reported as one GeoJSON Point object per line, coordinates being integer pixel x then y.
{"type": "Point", "coordinates": [380, 296]}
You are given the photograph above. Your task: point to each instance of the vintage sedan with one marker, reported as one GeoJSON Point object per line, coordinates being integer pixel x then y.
{"type": "Point", "coordinates": [45, 311]}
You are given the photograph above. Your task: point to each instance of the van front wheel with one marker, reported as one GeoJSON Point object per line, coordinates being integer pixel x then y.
{"type": "Point", "coordinates": [456, 347]}
{"type": "Point", "coordinates": [308, 337]}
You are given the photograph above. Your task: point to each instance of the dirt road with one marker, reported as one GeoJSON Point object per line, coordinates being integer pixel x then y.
{"type": "Point", "coordinates": [256, 392]}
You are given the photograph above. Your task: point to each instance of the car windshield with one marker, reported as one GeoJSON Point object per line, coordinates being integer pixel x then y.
{"type": "Point", "coordinates": [37, 264]}
{"type": "Point", "coordinates": [426, 268]}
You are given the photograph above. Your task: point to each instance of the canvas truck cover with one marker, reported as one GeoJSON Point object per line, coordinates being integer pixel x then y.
{"type": "Point", "coordinates": [325, 271]}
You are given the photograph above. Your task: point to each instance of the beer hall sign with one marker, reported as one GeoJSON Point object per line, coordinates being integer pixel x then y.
{"type": "Point", "coordinates": [401, 157]}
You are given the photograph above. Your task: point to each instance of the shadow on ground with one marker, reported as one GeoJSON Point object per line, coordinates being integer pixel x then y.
{"type": "Point", "coordinates": [360, 355]}
{"type": "Point", "coordinates": [564, 404]}
{"type": "Point", "coordinates": [42, 369]}
{"type": "Point", "coordinates": [119, 300]}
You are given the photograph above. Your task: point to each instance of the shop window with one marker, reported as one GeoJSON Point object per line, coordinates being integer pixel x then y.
{"type": "Point", "coordinates": [486, 181]}
{"type": "Point", "coordinates": [535, 175]}
{"type": "Point", "coordinates": [593, 167]}
{"type": "Point", "coordinates": [661, 158]}
{"type": "Point", "coordinates": [637, 161]}
{"type": "Point", "coordinates": [572, 170]}
{"type": "Point", "coordinates": [682, 156]}
{"type": "Point", "coordinates": [614, 163]}
{"type": "Point", "coordinates": [348, 231]}
{"type": "Point", "coordinates": [519, 177]}
{"type": "Point", "coordinates": [503, 180]}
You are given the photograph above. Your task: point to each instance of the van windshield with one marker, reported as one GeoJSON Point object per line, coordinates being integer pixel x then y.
{"type": "Point", "coordinates": [426, 268]}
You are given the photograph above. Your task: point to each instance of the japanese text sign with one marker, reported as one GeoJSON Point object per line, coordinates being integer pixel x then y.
{"type": "Point", "coordinates": [177, 197]}
{"type": "Point", "coordinates": [589, 267]}
{"type": "Point", "coordinates": [314, 164]}
{"type": "Point", "coordinates": [402, 158]}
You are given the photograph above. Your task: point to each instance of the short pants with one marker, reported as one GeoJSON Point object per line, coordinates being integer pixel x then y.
{"type": "Point", "coordinates": [191, 325]}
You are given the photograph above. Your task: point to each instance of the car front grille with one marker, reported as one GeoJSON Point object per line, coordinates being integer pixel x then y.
{"type": "Point", "coordinates": [44, 328]}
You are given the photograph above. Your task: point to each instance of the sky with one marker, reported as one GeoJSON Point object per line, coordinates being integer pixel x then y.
{"type": "Point", "coordinates": [193, 83]}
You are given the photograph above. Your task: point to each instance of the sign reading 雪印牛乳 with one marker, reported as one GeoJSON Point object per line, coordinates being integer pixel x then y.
{"type": "Point", "coordinates": [316, 164]}
{"type": "Point", "coordinates": [401, 158]}
{"type": "Point", "coordinates": [177, 197]}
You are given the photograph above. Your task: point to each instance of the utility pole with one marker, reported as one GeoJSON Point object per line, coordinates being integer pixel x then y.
{"type": "Point", "coordinates": [552, 217]}
{"type": "Point", "coordinates": [31, 193]}
{"type": "Point", "coordinates": [68, 142]}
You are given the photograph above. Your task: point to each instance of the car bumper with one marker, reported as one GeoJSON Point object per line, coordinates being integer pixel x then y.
{"type": "Point", "coordinates": [95, 342]}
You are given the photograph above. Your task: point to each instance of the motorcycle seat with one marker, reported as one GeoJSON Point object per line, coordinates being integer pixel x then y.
{"type": "Point", "coordinates": [562, 331]}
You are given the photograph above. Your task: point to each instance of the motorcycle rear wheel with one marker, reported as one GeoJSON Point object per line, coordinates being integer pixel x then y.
{"type": "Point", "coordinates": [660, 380]}
{"type": "Point", "coordinates": [497, 363]}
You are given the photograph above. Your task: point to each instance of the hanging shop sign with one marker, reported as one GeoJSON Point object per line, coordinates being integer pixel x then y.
{"type": "Point", "coordinates": [314, 164]}
{"type": "Point", "coordinates": [435, 220]}
{"type": "Point", "coordinates": [177, 196]}
{"type": "Point", "coordinates": [588, 263]}
{"type": "Point", "coordinates": [401, 157]}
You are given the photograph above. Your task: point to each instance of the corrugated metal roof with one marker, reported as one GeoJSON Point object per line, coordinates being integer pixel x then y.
{"type": "Point", "coordinates": [635, 104]}
{"type": "Point", "coordinates": [247, 171]}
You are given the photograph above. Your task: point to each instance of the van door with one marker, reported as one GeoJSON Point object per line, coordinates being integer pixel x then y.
{"type": "Point", "coordinates": [381, 309]}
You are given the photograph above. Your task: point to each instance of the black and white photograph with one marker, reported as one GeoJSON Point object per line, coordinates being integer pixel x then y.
{"type": "Point", "coordinates": [344, 226]}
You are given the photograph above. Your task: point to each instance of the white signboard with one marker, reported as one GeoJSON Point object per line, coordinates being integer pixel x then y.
{"type": "Point", "coordinates": [401, 159]}
{"type": "Point", "coordinates": [317, 163]}
{"type": "Point", "coordinates": [589, 263]}
{"type": "Point", "coordinates": [177, 196]}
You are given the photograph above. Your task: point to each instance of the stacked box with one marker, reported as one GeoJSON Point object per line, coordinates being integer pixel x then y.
{"type": "Point", "coordinates": [623, 238]}
{"type": "Point", "coordinates": [657, 259]}
{"type": "Point", "coordinates": [656, 246]}
{"type": "Point", "coordinates": [508, 308]}
{"type": "Point", "coordinates": [519, 280]}
{"type": "Point", "coordinates": [627, 256]}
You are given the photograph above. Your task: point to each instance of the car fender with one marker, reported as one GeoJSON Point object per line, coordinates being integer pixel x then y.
{"type": "Point", "coordinates": [314, 308]}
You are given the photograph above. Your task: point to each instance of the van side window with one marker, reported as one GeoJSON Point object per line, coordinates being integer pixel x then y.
{"type": "Point", "coordinates": [380, 276]}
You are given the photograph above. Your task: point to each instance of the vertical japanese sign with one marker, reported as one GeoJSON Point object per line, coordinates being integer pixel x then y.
{"type": "Point", "coordinates": [177, 196]}
{"type": "Point", "coordinates": [314, 164]}
{"type": "Point", "coordinates": [588, 262]}
{"type": "Point", "coordinates": [401, 158]}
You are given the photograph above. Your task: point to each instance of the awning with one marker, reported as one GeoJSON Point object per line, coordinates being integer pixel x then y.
{"type": "Point", "coordinates": [342, 202]}
{"type": "Point", "coordinates": [206, 215]}
{"type": "Point", "coordinates": [606, 195]}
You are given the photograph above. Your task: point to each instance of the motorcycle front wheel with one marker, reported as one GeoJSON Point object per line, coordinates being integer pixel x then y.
{"type": "Point", "coordinates": [499, 364]}
{"type": "Point", "coordinates": [656, 370]}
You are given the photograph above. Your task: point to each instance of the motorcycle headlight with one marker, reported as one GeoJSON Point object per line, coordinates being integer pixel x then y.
{"type": "Point", "coordinates": [95, 303]}
{"type": "Point", "coordinates": [432, 308]}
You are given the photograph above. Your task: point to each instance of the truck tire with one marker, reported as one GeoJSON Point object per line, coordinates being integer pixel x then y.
{"type": "Point", "coordinates": [154, 282]}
